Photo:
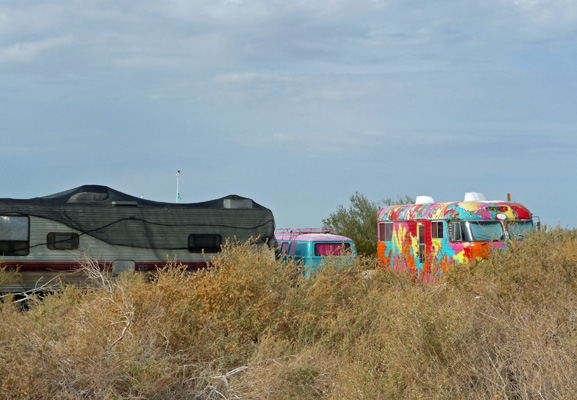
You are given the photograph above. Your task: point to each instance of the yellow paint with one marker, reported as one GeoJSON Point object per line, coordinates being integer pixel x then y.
{"type": "Point", "coordinates": [460, 257]}
{"type": "Point", "coordinates": [470, 206]}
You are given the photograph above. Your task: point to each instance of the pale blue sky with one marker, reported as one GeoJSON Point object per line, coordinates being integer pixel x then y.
{"type": "Point", "coordinates": [296, 104]}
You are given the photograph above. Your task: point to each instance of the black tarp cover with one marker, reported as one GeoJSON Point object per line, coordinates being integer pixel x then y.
{"type": "Point", "coordinates": [120, 219]}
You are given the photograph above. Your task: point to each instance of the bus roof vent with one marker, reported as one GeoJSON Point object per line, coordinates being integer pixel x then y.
{"type": "Point", "coordinates": [424, 200]}
{"type": "Point", "coordinates": [474, 196]}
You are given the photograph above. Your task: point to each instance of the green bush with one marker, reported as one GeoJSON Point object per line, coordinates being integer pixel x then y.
{"type": "Point", "coordinates": [359, 221]}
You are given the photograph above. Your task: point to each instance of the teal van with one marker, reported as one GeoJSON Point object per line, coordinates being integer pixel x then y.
{"type": "Point", "coordinates": [308, 246]}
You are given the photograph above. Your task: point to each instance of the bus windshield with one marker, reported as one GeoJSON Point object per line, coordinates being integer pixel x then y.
{"type": "Point", "coordinates": [483, 231]}
{"type": "Point", "coordinates": [517, 230]}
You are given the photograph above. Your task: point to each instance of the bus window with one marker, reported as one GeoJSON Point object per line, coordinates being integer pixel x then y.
{"type": "Point", "coordinates": [483, 231]}
{"type": "Point", "coordinates": [386, 231]}
{"type": "Point", "coordinates": [455, 232]}
{"type": "Point", "coordinates": [517, 230]}
{"type": "Point", "coordinates": [437, 229]}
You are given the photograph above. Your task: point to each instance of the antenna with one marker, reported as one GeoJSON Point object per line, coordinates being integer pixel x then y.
{"type": "Point", "coordinates": [177, 191]}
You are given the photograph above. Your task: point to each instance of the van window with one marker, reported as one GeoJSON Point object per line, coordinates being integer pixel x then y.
{"type": "Point", "coordinates": [14, 235]}
{"type": "Point", "coordinates": [303, 249]}
{"type": "Point", "coordinates": [292, 248]}
{"type": "Point", "coordinates": [331, 249]}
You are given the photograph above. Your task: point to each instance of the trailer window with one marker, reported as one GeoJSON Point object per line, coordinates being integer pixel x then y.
{"type": "Point", "coordinates": [331, 249]}
{"type": "Point", "coordinates": [14, 235]}
{"type": "Point", "coordinates": [207, 243]}
{"type": "Point", "coordinates": [62, 241]}
{"type": "Point", "coordinates": [517, 230]}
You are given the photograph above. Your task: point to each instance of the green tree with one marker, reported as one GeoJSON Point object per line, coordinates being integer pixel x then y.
{"type": "Point", "coordinates": [359, 220]}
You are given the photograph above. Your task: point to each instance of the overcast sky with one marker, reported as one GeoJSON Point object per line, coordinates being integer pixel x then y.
{"type": "Point", "coordinates": [296, 104]}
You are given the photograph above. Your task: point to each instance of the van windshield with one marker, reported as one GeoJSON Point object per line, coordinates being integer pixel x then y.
{"type": "Point", "coordinates": [483, 231]}
{"type": "Point", "coordinates": [331, 249]}
{"type": "Point", "coordinates": [517, 230]}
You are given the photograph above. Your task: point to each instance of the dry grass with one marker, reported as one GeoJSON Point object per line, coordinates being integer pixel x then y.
{"type": "Point", "coordinates": [252, 328]}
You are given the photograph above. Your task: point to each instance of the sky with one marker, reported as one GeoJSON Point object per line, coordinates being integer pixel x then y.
{"type": "Point", "coordinates": [296, 104]}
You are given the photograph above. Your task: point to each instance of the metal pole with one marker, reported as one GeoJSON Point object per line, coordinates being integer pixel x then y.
{"type": "Point", "coordinates": [177, 179]}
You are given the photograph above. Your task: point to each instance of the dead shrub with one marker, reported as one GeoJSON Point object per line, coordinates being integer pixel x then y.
{"type": "Point", "coordinates": [252, 327]}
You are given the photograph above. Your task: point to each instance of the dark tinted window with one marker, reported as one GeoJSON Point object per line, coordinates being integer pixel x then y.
{"type": "Point", "coordinates": [209, 243]}
{"type": "Point", "coordinates": [14, 235]}
{"type": "Point", "coordinates": [62, 241]}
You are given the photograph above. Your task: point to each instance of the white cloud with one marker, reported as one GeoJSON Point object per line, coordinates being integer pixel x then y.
{"type": "Point", "coordinates": [254, 77]}
{"type": "Point", "coordinates": [539, 19]}
{"type": "Point", "coordinates": [29, 51]}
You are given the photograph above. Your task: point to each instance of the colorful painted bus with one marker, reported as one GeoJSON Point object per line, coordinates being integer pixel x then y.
{"type": "Point", "coordinates": [308, 246]}
{"type": "Point", "coordinates": [428, 236]}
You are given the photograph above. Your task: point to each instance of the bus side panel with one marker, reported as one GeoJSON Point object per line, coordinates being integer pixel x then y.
{"type": "Point", "coordinates": [400, 252]}
{"type": "Point", "coordinates": [443, 251]}
{"type": "Point", "coordinates": [403, 252]}
{"type": "Point", "coordinates": [450, 253]}
{"type": "Point", "coordinates": [464, 252]}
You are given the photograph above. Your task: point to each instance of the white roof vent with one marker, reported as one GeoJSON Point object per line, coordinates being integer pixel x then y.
{"type": "Point", "coordinates": [424, 200]}
{"type": "Point", "coordinates": [474, 196]}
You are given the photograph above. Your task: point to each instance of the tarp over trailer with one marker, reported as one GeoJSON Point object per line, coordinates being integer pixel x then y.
{"type": "Point", "coordinates": [120, 219]}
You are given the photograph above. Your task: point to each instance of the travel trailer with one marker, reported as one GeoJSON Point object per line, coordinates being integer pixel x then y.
{"type": "Point", "coordinates": [429, 236]}
{"type": "Point", "coordinates": [308, 246]}
{"type": "Point", "coordinates": [46, 238]}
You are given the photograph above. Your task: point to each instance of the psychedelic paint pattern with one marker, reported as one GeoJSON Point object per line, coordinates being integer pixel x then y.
{"type": "Point", "coordinates": [427, 238]}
